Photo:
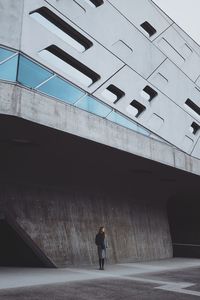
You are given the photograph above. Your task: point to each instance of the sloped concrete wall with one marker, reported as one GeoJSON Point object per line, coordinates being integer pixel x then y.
{"type": "Point", "coordinates": [63, 222]}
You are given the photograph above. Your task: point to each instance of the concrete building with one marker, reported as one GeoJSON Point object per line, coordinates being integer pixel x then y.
{"type": "Point", "coordinates": [99, 122]}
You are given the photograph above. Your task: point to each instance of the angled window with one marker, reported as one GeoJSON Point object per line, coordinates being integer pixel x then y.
{"type": "Point", "coordinates": [123, 121]}
{"type": "Point", "coordinates": [60, 89]}
{"type": "Point", "coordinates": [150, 30]}
{"type": "Point", "coordinates": [94, 106]}
{"type": "Point", "coordinates": [194, 128]}
{"type": "Point", "coordinates": [195, 108]}
{"type": "Point", "coordinates": [5, 54]}
{"type": "Point", "coordinates": [138, 108]}
{"type": "Point", "coordinates": [69, 65]}
{"type": "Point", "coordinates": [148, 93]}
{"type": "Point", "coordinates": [8, 69]}
{"type": "Point", "coordinates": [112, 93]}
{"type": "Point", "coordinates": [31, 74]}
{"type": "Point", "coordinates": [63, 30]}
{"type": "Point", "coordinates": [94, 3]}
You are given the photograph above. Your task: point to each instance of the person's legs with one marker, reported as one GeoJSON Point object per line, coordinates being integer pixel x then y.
{"type": "Point", "coordinates": [102, 264]}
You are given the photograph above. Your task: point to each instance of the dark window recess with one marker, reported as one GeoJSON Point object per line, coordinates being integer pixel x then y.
{"type": "Point", "coordinates": [97, 2]}
{"type": "Point", "coordinates": [62, 25]}
{"type": "Point", "coordinates": [138, 106]}
{"type": "Point", "coordinates": [73, 62]}
{"type": "Point", "coordinates": [195, 127]}
{"type": "Point", "coordinates": [152, 93]}
{"type": "Point", "coordinates": [116, 91]}
{"type": "Point", "coordinates": [193, 106]}
{"type": "Point", "coordinates": [148, 28]}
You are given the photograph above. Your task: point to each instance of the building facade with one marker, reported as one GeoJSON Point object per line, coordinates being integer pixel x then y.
{"type": "Point", "coordinates": [99, 114]}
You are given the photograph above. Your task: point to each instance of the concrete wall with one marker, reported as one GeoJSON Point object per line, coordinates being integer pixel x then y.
{"type": "Point", "coordinates": [23, 103]}
{"type": "Point", "coordinates": [64, 222]}
{"type": "Point", "coordinates": [11, 22]}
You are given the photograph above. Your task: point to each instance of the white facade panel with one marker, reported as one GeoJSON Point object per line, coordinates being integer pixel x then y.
{"type": "Point", "coordinates": [177, 86]}
{"type": "Point", "coordinates": [161, 116]}
{"type": "Point", "coordinates": [144, 57]}
{"type": "Point", "coordinates": [137, 12]}
{"type": "Point", "coordinates": [36, 38]}
{"type": "Point", "coordinates": [180, 52]}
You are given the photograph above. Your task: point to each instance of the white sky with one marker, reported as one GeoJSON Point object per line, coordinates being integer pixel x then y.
{"type": "Point", "coordinates": [186, 13]}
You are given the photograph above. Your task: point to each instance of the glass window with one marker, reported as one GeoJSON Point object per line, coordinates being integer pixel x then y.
{"type": "Point", "coordinates": [119, 119]}
{"type": "Point", "coordinates": [62, 90]}
{"type": "Point", "coordinates": [8, 69]}
{"type": "Point", "coordinates": [31, 74]}
{"type": "Point", "coordinates": [4, 54]}
{"type": "Point", "coordinates": [92, 105]}
{"type": "Point", "coordinates": [144, 131]}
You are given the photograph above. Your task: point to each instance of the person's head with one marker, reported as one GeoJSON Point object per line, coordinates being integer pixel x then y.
{"type": "Point", "coordinates": [102, 230]}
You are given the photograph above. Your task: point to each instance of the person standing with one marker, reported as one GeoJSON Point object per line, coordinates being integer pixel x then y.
{"type": "Point", "coordinates": [101, 243]}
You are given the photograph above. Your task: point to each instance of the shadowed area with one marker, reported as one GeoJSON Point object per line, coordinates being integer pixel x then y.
{"type": "Point", "coordinates": [61, 188]}
{"type": "Point", "coordinates": [14, 251]}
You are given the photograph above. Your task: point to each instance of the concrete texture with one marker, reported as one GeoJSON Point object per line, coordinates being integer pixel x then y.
{"type": "Point", "coordinates": [18, 101]}
{"type": "Point", "coordinates": [63, 223]}
{"type": "Point", "coordinates": [135, 281]}
{"type": "Point", "coordinates": [11, 23]}
{"type": "Point", "coordinates": [60, 196]}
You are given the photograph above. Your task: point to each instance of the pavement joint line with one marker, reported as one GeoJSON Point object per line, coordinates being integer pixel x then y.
{"type": "Point", "coordinates": [178, 287]}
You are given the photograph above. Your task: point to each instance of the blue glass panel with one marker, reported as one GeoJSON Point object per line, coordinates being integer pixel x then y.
{"type": "Point", "coordinates": [90, 104]}
{"type": "Point", "coordinates": [62, 90]}
{"type": "Point", "coordinates": [31, 74]}
{"type": "Point", "coordinates": [8, 69]}
{"type": "Point", "coordinates": [4, 53]}
{"type": "Point", "coordinates": [143, 130]}
{"type": "Point", "coordinates": [119, 119]}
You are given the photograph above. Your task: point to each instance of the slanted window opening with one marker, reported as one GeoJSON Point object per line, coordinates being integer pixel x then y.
{"type": "Point", "coordinates": [193, 106]}
{"type": "Point", "coordinates": [113, 93]}
{"type": "Point", "coordinates": [148, 93]}
{"type": "Point", "coordinates": [148, 28]}
{"type": "Point", "coordinates": [94, 3]}
{"type": "Point", "coordinates": [68, 64]}
{"type": "Point", "coordinates": [62, 29]}
{"type": "Point", "coordinates": [194, 128]}
{"type": "Point", "coordinates": [138, 106]}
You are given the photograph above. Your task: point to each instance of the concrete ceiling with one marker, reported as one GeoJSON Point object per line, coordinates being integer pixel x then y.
{"type": "Point", "coordinates": [35, 154]}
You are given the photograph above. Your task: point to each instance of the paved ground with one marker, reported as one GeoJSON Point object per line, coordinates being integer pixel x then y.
{"type": "Point", "coordinates": [166, 280]}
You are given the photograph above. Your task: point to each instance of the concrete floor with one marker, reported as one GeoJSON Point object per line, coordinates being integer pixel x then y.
{"type": "Point", "coordinates": [164, 279]}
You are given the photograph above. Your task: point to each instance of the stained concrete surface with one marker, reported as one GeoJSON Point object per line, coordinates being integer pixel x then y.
{"type": "Point", "coordinates": [139, 281]}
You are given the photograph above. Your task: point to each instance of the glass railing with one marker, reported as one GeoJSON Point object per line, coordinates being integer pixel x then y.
{"type": "Point", "coordinates": [16, 67]}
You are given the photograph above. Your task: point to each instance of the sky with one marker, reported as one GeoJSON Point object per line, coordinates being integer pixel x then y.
{"type": "Point", "coordinates": [186, 13]}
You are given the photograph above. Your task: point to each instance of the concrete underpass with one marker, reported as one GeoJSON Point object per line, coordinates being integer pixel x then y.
{"type": "Point", "coordinates": [60, 188]}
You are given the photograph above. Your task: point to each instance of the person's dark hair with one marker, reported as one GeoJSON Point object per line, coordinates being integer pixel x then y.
{"type": "Point", "coordinates": [101, 232]}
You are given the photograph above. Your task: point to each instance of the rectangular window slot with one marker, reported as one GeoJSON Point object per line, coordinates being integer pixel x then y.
{"type": "Point", "coordinates": [193, 106]}
{"type": "Point", "coordinates": [148, 93]}
{"type": "Point", "coordinates": [112, 93]}
{"type": "Point", "coordinates": [69, 65]}
{"type": "Point", "coordinates": [66, 32]}
{"type": "Point", "coordinates": [148, 28]}
{"type": "Point", "coordinates": [94, 3]}
{"type": "Point", "coordinates": [138, 106]}
{"type": "Point", "coordinates": [194, 128]}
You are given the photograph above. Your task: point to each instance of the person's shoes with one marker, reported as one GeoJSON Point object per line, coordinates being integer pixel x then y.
{"type": "Point", "coordinates": [102, 268]}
